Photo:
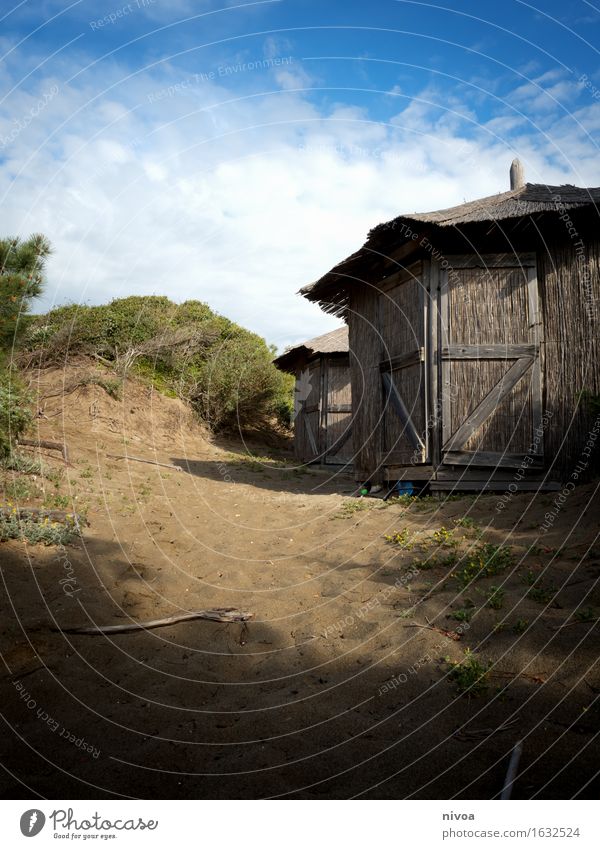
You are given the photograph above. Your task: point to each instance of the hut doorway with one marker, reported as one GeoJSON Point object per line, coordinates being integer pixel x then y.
{"type": "Point", "coordinates": [323, 422]}
{"type": "Point", "coordinates": [323, 398]}
{"type": "Point", "coordinates": [490, 372]}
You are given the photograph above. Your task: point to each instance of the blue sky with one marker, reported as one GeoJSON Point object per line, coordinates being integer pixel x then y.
{"type": "Point", "coordinates": [233, 152]}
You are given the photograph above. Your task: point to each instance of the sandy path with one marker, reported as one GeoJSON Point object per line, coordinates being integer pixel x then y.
{"type": "Point", "coordinates": [331, 691]}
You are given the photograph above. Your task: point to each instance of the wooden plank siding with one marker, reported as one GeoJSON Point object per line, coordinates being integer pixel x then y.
{"type": "Point", "coordinates": [536, 318]}
{"type": "Point", "coordinates": [570, 290]}
{"type": "Point", "coordinates": [323, 424]}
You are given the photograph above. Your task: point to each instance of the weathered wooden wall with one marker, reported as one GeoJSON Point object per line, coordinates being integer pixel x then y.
{"type": "Point", "coordinates": [365, 348]}
{"type": "Point", "coordinates": [338, 396]}
{"type": "Point", "coordinates": [324, 396]}
{"type": "Point", "coordinates": [493, 309]}
{"type": "Point", "coordinates": [570, 291]}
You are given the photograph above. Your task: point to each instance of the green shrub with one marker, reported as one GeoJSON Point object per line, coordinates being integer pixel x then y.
{"type": "Point", "coordinates": [495, 598]}
{"type": "Point", "coordinates": [237, 384]}
{"type": "Point", "coordinates": [15, 410]}
{"type": "Point", "coordinates": [469, 675]}
{"type": "Point", "coordinates": [186, 350]}
{"type": "Point", "coordinates": [43, 532]}
{"type": "Point", "coordinates": [483, 561]}
{"type": "Point", "coordinates": [14, 462]}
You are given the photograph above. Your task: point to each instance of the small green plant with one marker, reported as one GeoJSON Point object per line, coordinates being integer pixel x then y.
{"type": "Point", "coordinates": [470, 675]}
{"type": "Point", "coordinates": [466, 522]}
{"type": "Point", "coordinates": [19, 489]}
{"type": "Point", "coordinates": [541, 593]}
{"type": "Point", "coordinates": [445, 538]}
{"type": "Point", "coordinates": [21, 463]}
{"type": "Point", "coordinates": [87, 472]}
{"type": "Point", "coordinates": [57, 500]}
{"type": "Point", "coordinates": [464, 614]}
{"type": "Point", "coordinates": [520, 626]}
{"type": "Point", "coordinates": [587, 615]}
{"type": "Point", "coordinates": [483, 561]}
{"type": "Point", "coordinates": [349, 508]}
{"type": "Point", "coordinates": [529, 578]}
{"type": "Point", "coordinates": [447, 561]}
{"type": "Point", "coordinates": [111, 386]}
{"type": "Point", "coordinates": [399, 538]}
{"type": "Point", "coordinates": [495, 598]}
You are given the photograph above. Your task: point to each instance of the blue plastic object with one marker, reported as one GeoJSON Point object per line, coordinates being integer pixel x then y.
{"type": "Point", "coordinates": [404, 488]}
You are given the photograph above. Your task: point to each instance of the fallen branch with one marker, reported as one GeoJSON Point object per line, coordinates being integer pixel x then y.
{"type": "Point", "coordinates": [142, 460]}
{"type": "Point", "coordinates": [37, 514]}
{"type": "Point", "coordinates": [220, 614]}
{"type": "Point", "coordinates": [452, 635]}
{"type": "Point", "coordinates": [575, 622]}
{"type": "Point", "coordinates": [469, 736]}
{"type": "Point", "coordinates": [537, 679]}
{"type": "Point", "coordinates": [44, 443]}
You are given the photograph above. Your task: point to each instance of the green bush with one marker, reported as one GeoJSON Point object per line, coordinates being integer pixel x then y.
{"type": "Point", "coordinates": [15, 411]}
{"type": "Point", "coordinates": [238, 385]}
{"type": "Point", "coordinates": [44, 532]}
{"type": "Point", "coordinates": [470, 675]}
{"type": "Point", "coordinates": [225, 371]}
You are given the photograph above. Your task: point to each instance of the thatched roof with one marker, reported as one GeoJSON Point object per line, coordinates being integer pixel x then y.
{"type": "Point", "coordinates": [375, 260]}
{"type": "Point", "coordinates": [335, 342]}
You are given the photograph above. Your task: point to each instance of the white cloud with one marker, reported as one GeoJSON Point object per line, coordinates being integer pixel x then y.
{"type": "Point", "coordinates": [240, 200]}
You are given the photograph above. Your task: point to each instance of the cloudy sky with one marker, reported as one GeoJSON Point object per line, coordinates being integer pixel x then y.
{"type": "Point", "coordinates": [233, 152]}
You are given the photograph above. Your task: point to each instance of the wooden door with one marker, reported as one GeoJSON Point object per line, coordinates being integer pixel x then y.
{"type": "Point", "coordinates": [337, 412]}
{"type": "Point", "coordinates": [403, 310]}
{"type": "Point", "coordinates": [490, 387]}
{"type": "Point", "coordinates": [307, 410]}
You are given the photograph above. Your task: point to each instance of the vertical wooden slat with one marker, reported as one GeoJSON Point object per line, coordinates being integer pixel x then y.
{"type": "Point", "coordinates": [536, 336]}
{"type": "Point", "coordinates": [445, 369]}
{"type": "Point", "coordinates": [323, 405]}
{"type": "Point", "coordinates": [424, 391]}
{"type": "Point", "coordinates": [432, 359]}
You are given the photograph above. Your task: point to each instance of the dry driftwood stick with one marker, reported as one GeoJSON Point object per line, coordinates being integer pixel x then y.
{"type": "Point", "coordinates": [38, 513]}
{"type": "Point", "coordinates": [537, 679]}
{"type": "Point", "coordinates": [220, 614]}
{"type": "Point", "coordinates": [142, 460]}
{"type": "Point", "coordinates": [452, 635]}
{"type": "Point", "coordinates": [44, 443]}
{"type": "Point", "coordinates": [575, 622]}
{"type": "Point", "coordinates": [511, 774]}
{"type": "Point", "coordinates": [467, 735]}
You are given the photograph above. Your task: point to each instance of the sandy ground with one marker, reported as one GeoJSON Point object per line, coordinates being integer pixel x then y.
{"type": "Point", "coordinates": [339, 685]}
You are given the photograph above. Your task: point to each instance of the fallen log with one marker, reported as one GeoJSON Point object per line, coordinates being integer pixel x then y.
{"type": "Point", "coordinates": [220, 614]}
{"type": "Point", "coordinates": [143, 460]}
{"type": "Point", "coordinates": [45, 443]}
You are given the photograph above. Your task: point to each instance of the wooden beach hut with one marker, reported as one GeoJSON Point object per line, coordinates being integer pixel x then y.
{"type": "Point", "coordinates": [322, 408]}
{"type": "Point", "coordinates": [475, 342]}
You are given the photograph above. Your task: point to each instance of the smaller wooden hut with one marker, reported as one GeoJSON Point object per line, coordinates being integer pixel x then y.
{"type": "Point", "coordinates": [323, 401]}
